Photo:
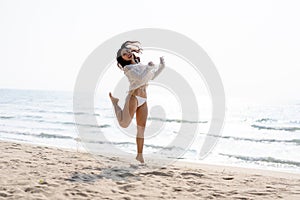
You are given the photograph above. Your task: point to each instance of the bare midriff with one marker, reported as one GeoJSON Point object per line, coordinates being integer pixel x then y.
{"type": "Point", "coordinates": [141, 91]}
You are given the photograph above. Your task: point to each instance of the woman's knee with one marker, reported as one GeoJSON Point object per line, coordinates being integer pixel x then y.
{"type": "Point", "coordinates": [140, 134]}
{"type": "Point", "coordinates": [140, 131]}
{"type": "Point", "coordinates": [124, 124]}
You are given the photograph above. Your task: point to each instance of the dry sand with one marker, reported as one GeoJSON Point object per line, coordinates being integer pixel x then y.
{"type": "Point", "coordinates": [38, 172]}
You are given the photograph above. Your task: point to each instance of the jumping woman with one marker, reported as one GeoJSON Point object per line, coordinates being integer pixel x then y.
{"type": "Point", "coordinates": [136, 101]}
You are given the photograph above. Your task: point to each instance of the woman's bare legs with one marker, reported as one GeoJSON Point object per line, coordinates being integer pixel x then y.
{"type": "Point", "coordinates": [124, 116]}
{"type": "Point", "coordinates": [141, 119]}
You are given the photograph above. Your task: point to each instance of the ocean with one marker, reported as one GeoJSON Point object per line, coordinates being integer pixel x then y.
{"type": "Point", "coordinates": [254, 135]}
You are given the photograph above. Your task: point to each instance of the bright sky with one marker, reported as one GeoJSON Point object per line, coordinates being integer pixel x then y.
{"type": "Point", "coordinates": [254, 44]}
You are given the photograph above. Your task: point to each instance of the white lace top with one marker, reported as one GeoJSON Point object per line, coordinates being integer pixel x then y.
{"type": "Point", "coordinates": [139, 74]}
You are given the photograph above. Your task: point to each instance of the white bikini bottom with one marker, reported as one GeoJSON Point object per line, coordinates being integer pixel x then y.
{"type": "Point", "coordinates": [140, 100]}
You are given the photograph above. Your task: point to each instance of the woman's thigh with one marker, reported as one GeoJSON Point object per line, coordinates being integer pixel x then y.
{"type": "Point", "coordinates": [141, 115]}
{"type": "Point", "coordinates": [130, 106]}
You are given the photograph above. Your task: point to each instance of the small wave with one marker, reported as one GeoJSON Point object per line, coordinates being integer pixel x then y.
{"type": "Point", "coordinates": [295, 121]}
{"type": "Point", "coordinates": [295, 141]}
{"type": "Point", "coordinates": [41, 135]}
{"type": "Point", "coordinates": [74, 124]}
{"type": "Point", "coordinates": [38, 119]}
{"type": "Point", "coordinates": [94, 126]}
{"type": "Point", "coordinates": [291, 129]}
{"type": "Point", "coordinates": [170, 148]}
{"type": "Point", "coordinates": [263, 159]}
{"type": "Point", "coordinates": [175, 120]}
{"type": "Point", "coordinates": [266, 120]}
{"type": "Point", "coordinates": [263, 140]}
{"type": "Point", "coordinates": [46, 135]}
{"type": "Point", "coordinates": [62, 112]}
{"type": "Point", "coordinates": [74, 113]}
{"type": "Point", "coordinates": [41, 111]}
{"type": "Point", "coordinates": [36, 128]}
{"type": "Point", "coordinates": [6, 117]}
{"type": "Point", "coordinates": [32, 116]}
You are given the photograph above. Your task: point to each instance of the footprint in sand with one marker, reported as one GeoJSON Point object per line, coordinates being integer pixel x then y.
{"type": "Point", "coordinates": [259, 193]}
{"type": "Point", "coordinates": [189, 174]}
{"type": "Point", "coordinates": [33, 190]}
{"type": "Point", "coordinates": [3, 194]}
{"type": "Point", "coordinates": [228, 178]}
{"type": "Point", "coordinates": [218, 195]}
{"type": "Point", "coordinates": [240, 198]}
{"type": "Point", "coordinates": [178, 189]}
{"type": "Point", "coordinates": [82, 194]}
{"type": "Point", "coordinates": [127, 187]}
{"type": "Point", "coordinates": [157, 173]}
{"type": "Point", "coordinates": [74, 194]}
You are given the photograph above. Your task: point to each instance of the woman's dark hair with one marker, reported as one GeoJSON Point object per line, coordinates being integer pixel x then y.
{"type": "Point", "coordinates": [133, 46]}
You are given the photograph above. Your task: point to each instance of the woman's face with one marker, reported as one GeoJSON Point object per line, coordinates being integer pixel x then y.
{"type": "Point", "coordinates": [126, 54]}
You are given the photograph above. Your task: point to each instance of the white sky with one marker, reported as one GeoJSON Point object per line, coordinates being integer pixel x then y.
{"type": "Point", "coordinates": [254, 44]}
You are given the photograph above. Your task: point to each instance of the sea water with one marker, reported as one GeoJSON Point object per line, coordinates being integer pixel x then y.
{"type": "Point", "coordinates": [254, 135]}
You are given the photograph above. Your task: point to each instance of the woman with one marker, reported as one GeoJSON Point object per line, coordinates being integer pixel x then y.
{"type": "Point", "coordinates": [136, 101]}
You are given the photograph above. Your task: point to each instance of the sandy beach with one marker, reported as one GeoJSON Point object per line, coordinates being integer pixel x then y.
{"type": "Point", "coordinates": [38, 172]}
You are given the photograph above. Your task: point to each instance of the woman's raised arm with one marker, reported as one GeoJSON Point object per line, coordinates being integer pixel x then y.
{"type": "Point", "coordinates": [160, 67]}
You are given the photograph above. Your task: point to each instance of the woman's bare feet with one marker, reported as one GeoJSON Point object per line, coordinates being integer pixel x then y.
{"type": "Point", "coordinates": [140, 158]}
{"type": "Point", "coordinates": [113, 99]}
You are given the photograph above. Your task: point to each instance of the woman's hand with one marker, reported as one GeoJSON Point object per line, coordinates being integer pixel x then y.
{"type": "Point", "coordinates": [151, 63]}
{"type": "Point", "coordinates": [162, 60]}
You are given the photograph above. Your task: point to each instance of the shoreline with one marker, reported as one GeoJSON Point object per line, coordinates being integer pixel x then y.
{"type": "Point", "coordinates": [41, 172]}
{"type": "Point", "coordinates": [180, 162]}
{"type": "Point", "coordinates": [246, 170]}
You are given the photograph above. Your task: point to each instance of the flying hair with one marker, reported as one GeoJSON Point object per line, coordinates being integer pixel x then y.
{"type": "Point", "coordinates": [133, 46]}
